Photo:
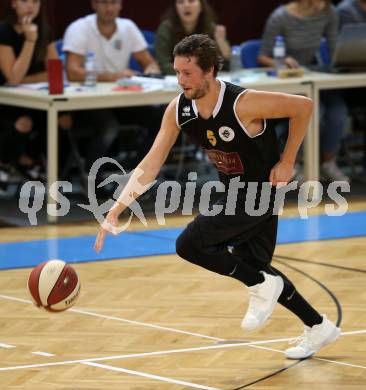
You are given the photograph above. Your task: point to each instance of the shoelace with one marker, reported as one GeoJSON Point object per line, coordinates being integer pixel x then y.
{"type": "Point", "coordinates": [303, 341]}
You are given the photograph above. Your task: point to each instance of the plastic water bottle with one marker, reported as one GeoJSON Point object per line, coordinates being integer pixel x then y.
{"type": "Point", "coordinates": [279, 52]}
{"type": "Point", "coordinates": [235, 59]}
{"type": "Point", "coordinates": [91, 70]}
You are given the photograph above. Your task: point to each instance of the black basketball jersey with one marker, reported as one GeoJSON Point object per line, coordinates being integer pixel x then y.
{"type": "Point", "coordinates": [225, 140]}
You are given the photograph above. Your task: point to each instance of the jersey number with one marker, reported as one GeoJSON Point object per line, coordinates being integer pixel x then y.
{"type": "Point", "coordinates": [211, 137]}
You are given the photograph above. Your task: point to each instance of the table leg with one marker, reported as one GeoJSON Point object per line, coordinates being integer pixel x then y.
{"type": "Point", "coordinates": [52, 155]}
{"type": "Point", "coordinates": [312, 146]}
{"type": "Point", "coordinates": [312, 142]}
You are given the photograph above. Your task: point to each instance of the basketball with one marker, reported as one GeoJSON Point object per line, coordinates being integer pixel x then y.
{"type": "Point", "coordinates": [54, 285]}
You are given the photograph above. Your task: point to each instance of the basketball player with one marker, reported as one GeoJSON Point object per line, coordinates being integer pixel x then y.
{"type": "Point", "coordinates": [235, 128]}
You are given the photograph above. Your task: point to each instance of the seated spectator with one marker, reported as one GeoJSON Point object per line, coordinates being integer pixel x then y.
{"type": "Point", "coordinates": [113, 40]}
{"type": "Point", "coordinates": [303, 23]}
{"type": "Point", "coordinates": [183, 18]}
{"type": "Point", "coordinates": [25, 47]}
{"type": "Point", "coordinates": [351, 12]}
{"type": "Point", "coordinates": [354, 12]}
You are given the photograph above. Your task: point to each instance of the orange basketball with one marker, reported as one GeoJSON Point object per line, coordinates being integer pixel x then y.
{"type": "Point", "coordinates": [54, 285]}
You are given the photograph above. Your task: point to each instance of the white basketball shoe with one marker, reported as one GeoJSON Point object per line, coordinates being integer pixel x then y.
{"type": "Point", "coordinates": [263, 299]}
{"type": "Point", "coordinates": [313, 339]}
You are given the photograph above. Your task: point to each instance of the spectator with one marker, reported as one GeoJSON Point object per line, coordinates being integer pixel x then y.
{"type": "Point", "coordinates": [354, 12]}
{"type": "Point", "coordinates": [183, 18]}
{"type": "Point", "coordinates": [25, 47]}
{"type": "Point", "coordinates": [351, 12]}
{"type": "Point", "coordinates": [303, 23]}
{"type": "Point", "coordinates": [113, 40]}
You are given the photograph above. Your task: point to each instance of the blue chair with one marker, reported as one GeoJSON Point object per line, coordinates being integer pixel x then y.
{"type": "Point", "coordinates": [250, 50]}
{"type": "Point", "coordinates": [324, 52]}
{"type": "Point", "coordinates": [61, 54]}
{"type": "Point", "coordinates": [150, 37]}
{"type": "Point", "coordinates": [249, 53]}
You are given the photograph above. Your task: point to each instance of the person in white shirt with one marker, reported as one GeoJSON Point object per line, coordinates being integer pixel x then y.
{"type": "Point", "coordinates": [112, 39]}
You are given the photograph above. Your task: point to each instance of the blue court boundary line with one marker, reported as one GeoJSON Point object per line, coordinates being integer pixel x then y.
{"type": "Point", "coordinates": [137, 244]}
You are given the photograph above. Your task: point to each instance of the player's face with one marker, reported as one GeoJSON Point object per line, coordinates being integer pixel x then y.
{"type": "Point", "coordinates": [192, 79]}
{"type": "Point", "coordinates": [107, 10]}
{"type": "Point", "coordinates": [188, 10]}
{"type": "Point", "coordinates": [26, 8]}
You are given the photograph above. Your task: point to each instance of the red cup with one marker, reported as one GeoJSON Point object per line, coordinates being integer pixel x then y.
{"type": "Point", "coordinates": [55, 77]}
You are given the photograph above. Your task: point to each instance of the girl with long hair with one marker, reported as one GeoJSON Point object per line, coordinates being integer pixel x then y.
{"type": "Point", "coordinates": [25, 47]}
{"type": "Point", "coordinates": [183, 18]}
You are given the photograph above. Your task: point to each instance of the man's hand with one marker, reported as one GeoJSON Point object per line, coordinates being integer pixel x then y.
{"type": "Point", "coordinates": [281, 173]}
{"type": "Point", "coordinates": [152, 68]}
{"type": "Point", "coordinates": [109, 225]}
{"type": "Point", "coordinates": [291, 62]}
{"type": "Point", "coordinates": [123, 74]}
{"type": "Point", "coordinates": [30, 29]}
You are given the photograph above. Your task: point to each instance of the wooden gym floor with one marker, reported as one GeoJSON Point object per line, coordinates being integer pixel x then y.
{"type": "Point", "coordinates": [161, 323]}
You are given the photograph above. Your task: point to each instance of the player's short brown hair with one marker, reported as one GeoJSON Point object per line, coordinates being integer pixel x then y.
{"type": "Point", "coordinates": [203, 48]}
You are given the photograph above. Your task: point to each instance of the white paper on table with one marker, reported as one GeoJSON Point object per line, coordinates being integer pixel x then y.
{"type": "Point", "coordinates": [33, 86]}
{"type": "Point", "coordinates": [139, 80]}
{"type": "Point", "coordinates": [250, 78]}
{"type": "Point", "coordinates": [152, 83]}
{"type": "Point", "coordinates": [242, 77]}
{"type": "Point", "coordinates": [171, 82]}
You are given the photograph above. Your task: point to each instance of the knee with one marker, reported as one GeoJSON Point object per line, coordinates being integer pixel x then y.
{"type": "Point", "coordinates": [334, 103]}
{"type": "Point", "coordinates": [65, 121]}
{"type": "Point", "coordinates": [24, 124]}
{"type": "Point", "coordinates": [339, 109]}
{"type": "Point", "coordinates": [184, 245]}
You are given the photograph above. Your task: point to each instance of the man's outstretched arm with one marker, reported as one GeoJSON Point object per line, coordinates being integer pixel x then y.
{"type": "Point", "coordinates": [144, 174]}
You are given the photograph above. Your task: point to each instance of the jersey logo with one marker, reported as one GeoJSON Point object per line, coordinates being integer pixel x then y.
{"type": "Point", "coordinates": [226, 133]}
{"type": "Point", "coordinates": [227, 163]}
{"type": "Point", "coordinates": [211, 137]}
{"type": "Point", "coordinates": [117, 44]}
{"type": "Point", "coordinates": [186, 111]}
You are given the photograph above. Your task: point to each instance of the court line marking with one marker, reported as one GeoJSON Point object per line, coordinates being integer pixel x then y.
{"type": "Point", "coordinates": [353, 332]}
{"type": "Point", "coordinates": [168, 352]}
{"type": "Point", "coordinates": [145, 324]}
{"type": "Point", "coordinates": [254, 344]}
{"type": "Point", "coordinates": [340, 363]}
{"type": "Point", "coordinates": [142, 354]}
{"type": "Point", "coordinates": [318, 358]}
{"type": "Point", "coordinates": [7, 346]}
{"type": "Point", "coordinates": [40, 353]}
{"type": "Point", "coordinates": [150, 376]}
{"type": "Point", "coordinates": [6, 297]}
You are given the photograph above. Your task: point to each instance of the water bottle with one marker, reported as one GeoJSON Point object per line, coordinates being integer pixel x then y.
{"type": "Point", "coordinates": [279, 52]}
{"type": "Point", "coordinates": [235, 59]}
{"type": "Point", "coordinates": [91, 70]}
